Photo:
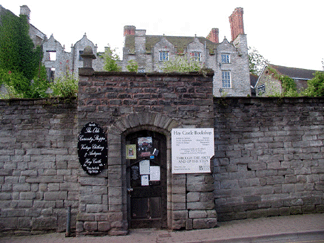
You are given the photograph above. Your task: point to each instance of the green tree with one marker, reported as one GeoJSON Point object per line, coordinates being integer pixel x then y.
{"type": "Point", "coordinates": [132, 66]}
{"type": "Point", "coordinates": [66, 87]}
{"type": "Point", "coordinates": [289, 86]}
{"type": "Point", "coordinates": [256, 61]}
{"type": "Point", "coordinates": [315, 86]}
{"type": "Point", "coordinates": [111, 60]}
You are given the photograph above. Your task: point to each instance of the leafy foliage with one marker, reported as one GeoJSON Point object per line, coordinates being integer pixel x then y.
{"type": "Point", "coordinates": [132, 66]}
{"type": "Point", "coordinates": [19, 60]}
{"type": "Point", "coordinates": [183, 65]}
{"type": "Point", "coordinates": [66, 87]}
{"type": "Point", "coordinates": [39, 84]}
{"type": "Point", "coordinates": [17, 52]}
{"type": "Point", "coordinates": [289, 86]}
{"type": "Point", "coordinates": [256, 61]}
{"type": "Point", "coordinates": [111, 59]}
{"type": "Point", "coordinates": [315, 86]}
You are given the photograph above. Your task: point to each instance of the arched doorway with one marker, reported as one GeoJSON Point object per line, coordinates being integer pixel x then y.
{"type": "Point", "coordinates": [146, 170]}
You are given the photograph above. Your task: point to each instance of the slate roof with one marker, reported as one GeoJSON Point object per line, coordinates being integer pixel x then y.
{"type": "Point", "coordinates": [295, 73]}
{"type": "Point", "coordinates": [180, 42]}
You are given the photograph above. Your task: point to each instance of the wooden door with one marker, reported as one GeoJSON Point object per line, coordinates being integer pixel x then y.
{"type": "Point", "coordinates": [146, 179]}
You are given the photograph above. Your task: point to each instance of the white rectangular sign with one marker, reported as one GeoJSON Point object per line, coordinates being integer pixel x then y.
{"type": "Point", "coordinates": [192, 149]}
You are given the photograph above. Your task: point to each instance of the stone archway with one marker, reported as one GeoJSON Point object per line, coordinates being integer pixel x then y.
{"type": "Point", "coordinates": [116, 133]}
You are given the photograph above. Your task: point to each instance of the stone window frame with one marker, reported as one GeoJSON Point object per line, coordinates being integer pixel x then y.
{"type": "Point", "coordinates": [51, 55]}
{"type": "Point", "coordinates": [225, 58]}
{"type": "Point", "coordinates": [226, 79]}
{"type": "Point", "coordinates": [164, 56]}
{"type": "Point", "coordinates": [196, 55]}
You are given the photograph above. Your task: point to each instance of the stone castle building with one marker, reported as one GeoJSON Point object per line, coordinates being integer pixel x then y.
{"type": "Point", "coordinates": [58, 62]}
{"type": "Point", "coordinates": [228, 60]}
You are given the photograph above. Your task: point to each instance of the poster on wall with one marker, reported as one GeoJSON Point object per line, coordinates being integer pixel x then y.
{"type": "Point", "coordinates": [155, 173]}
{"type": "Point", "coordinates": [145, 147]}
{"type": "Point", "coordinates": [192, 149]}
{"type": "Point", "coordinates": [144, 167]}
{"type": "Point", "coordinates": [92, 148]}
{"type": "Point", "coordinates": [131, 151]}
{"type": "Point", "coordinates": [145, 180]}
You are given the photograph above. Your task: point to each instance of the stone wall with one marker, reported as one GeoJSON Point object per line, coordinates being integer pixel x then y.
{"type": "Point", "coordinates": [269, 157]}
{"type": "Point", "coordinates": [38, 165]}
{"type": "Point", "coordinates": [122, 103]}
{"type": "Point", "coordinates": [268, 154]}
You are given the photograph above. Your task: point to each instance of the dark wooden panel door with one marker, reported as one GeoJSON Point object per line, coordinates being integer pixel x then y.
{"type": "Point", "coordinates": [146, 179]}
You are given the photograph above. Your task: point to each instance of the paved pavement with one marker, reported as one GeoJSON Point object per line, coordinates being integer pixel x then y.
{"type": "Point", "coordinates": [299, 228]}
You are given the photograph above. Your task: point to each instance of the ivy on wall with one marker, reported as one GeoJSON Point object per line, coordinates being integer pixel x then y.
{"type": "Point", "coordinates": [20, 61]}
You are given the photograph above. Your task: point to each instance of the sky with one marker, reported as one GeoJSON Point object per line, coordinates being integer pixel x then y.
{"type": "Point", "coordinates": [285, 32]}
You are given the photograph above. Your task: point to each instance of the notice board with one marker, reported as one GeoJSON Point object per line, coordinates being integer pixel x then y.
{"type": "Point", "coordinates": [192, 149]}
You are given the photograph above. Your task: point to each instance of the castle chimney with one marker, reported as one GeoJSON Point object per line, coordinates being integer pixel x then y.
{"type": "Point", "coordinates": [129, 30]}
{"type": "Point", "coordinates": [213, 35]}
{"type": "Point", "coordinates": [236, 22]}
{"type": "Point", "coordinates": [24, 10]}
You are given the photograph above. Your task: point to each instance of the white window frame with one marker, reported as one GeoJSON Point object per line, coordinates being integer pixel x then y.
{"type": "Point", "coordinates": [163, 56]}
{"type": "Point", "coordinates": [226, 80]}
{"type": "Point", "coordinates": [225, 58]}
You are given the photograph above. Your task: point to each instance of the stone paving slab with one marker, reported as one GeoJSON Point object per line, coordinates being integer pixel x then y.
{"type": "Point", "coordinates": [298, 228]}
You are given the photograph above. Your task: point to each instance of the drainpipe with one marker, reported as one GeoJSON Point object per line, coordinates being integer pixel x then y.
{"type": "Point", "coordinates": [68, 223]}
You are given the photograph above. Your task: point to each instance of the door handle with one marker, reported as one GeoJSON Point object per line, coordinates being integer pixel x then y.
{"type": "Point", "coordinates": [129, 190]}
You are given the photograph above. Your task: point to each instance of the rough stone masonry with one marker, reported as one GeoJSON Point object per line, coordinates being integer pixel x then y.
{"type": "Point", "coordinates": [268, 154]}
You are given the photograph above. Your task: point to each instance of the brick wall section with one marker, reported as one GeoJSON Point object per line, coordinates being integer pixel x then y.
{"type": "Point", "coordinates": [269, 157]}
{"type": "Point", "coordinates": [124, 102]}
{"type": "Point", "coordinates": [38, 165]}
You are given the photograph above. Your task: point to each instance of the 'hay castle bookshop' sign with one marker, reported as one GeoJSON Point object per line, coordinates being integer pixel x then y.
{"type": "Point", "coordinates": [192, 149]}
{"type": "Point", "coordinates": [92, 148]}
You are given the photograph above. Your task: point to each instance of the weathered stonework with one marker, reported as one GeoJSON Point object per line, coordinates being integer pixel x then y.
{"type": "Point", "coordinates": [38, 166]}
{"type": "Point", "coordinates": [126, 102]}
{"type": "Point", "coordinates": [268, 155]}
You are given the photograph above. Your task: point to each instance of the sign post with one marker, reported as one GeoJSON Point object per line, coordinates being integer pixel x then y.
{"type": "Point", "coordinates": [192, 149]}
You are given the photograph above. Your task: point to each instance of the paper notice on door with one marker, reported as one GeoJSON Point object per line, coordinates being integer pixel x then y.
{"type": "Point", "coordinates": [155, 173]}
{"type": "Point", "coordinates": [144, 167]}
{"type": "Point", "coordinates": [145, 180]}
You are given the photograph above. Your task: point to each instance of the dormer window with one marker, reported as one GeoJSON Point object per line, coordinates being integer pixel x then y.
{"type": "Point", "coordinates": [164, 56]}
{"type": "Point", "coordinates": [196, 56]}
{"type": "Point", "coordinates": [225, 58]}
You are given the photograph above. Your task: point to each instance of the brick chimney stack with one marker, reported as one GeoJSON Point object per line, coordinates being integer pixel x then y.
{"type": "Point", "coordinates": [213, 35]}
{"type": "Point", "coordinates": [236, 21]}
{"type": "Point", "coordinates": [129, 30]}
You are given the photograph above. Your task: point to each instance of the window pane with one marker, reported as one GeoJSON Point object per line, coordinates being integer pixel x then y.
{"type": "Point", "coordinates": [164, 56]}
{"type": "Point", "coordinates": [226, 79]}
{"type": "Point", "coordinates": [225, 58]}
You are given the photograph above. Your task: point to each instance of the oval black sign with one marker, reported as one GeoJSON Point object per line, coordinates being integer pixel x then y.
{"type": "Point", "coordinates": [92, 148]}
